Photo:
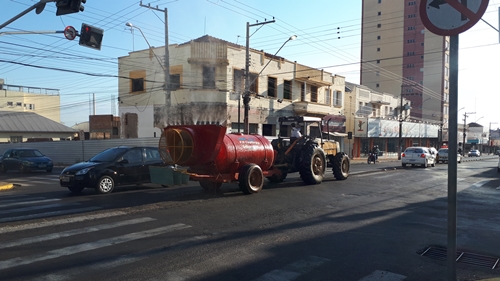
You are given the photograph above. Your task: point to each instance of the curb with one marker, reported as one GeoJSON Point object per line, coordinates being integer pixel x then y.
{"type": "Point", "coordinates": [6, 186]}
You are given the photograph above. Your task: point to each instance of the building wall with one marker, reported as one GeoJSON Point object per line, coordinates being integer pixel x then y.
{"type": "Point", "coordinates": [46, 105]}
{"type": "Point", "coordinates": [411, 58]}
{"type": "Point", "coordinates": [104, 127]}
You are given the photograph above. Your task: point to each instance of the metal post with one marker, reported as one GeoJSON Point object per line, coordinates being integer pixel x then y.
{"type": "Point", "coordinates": [464, 134]}
{"type": "Point", "coordinates": [452, 162]}
{"type": "Point", "coordinates": [400, 124]}
{"type": "Point", "coordinates": [38, 6]}
{"type": "Point", "coordinates": [246, 94]}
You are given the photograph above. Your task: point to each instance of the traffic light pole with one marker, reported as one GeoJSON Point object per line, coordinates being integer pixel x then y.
{"type": "Point", "coordinates": [38, 6]}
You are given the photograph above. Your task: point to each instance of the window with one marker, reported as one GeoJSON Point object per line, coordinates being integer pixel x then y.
{"type": "Point", "coordinates": [410, 65]}
{"type": "Point", "coordinates": [422, 44]}
{"type": "Point", "coordinates": [19, 104]}
{"type": "Point", "coordinates": [208, 77]}
{"type": "Point", "coordinates": [10, 103]}
{"type": "Point", "coordinates": [378, 37]}
{"type": "Point", "coordinates": [287, 89]}
{"type": "Point", "coordinates": [338, 98]}
{"type": "Point", "coordinates": [314, 94]}
{"type": "Point", "coordinates": [410, 41]}
{"type": "Point", "coordinates": [137, 81]}
{"type": "Point", "coordinates": [31, 106]}
{"type": "Point", "coordinates": [379, 25]}
{"type": "Point", "coordinates": [328, 97]}
{"type": "Point", "coordinates": [137, 85]}
{"type": "Point", "coordinates": [422, 57]}
{"type": "Point", "coordinates": [379, 1]}
{"type": "Point", "coordinates": [410, 53]}
{"type": "Point", "coordinates": [303, 92]}
{"type": "Point", "coordinates": [412, 3]}
{"type": "Point", "coordinates": [272, 87]}
{"type": "Point", "coordinates": [411, 28]}
{"type": "Point", "coordinates": [377, 85]}
{"type": "Point", "coordinates": [175, 82]}
{"type": "Point", "coordinates": [254, 79]}
{"type": "Point", "coordinates": [379, 13]}
{"type": "Point", "coordinates": [410, 78]}
{"type": "Point", "coordinates": [378, 49]}
{"type": "Point", "coordinates": [238, 81]}
{"type": "Point", "coordinates": [378, 61]}
{"type": "Point", "coordinates": [410, 16]}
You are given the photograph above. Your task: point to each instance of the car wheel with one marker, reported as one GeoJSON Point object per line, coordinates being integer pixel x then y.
{"type": "Point", "coordinates": [425, 164]}
{"type": "Point", "coordinates": [433, 164]}
{"type": "Point", "coordinates": [75, 189]}
{"type": "Point", "coordinates": [2, 168]}
{"type": "Point", "coordinates": [105, 185]}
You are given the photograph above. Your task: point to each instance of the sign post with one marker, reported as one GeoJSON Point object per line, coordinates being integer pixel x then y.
{"type": "Point", "coordinates": [450, 18]}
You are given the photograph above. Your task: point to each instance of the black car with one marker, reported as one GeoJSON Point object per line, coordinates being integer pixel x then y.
{"type": "Point", "coordinates": [114, 166]}
{"type": "Point", "coordinates": [25, 160]}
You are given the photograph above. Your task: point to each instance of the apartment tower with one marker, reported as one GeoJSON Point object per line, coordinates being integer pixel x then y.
{"type": "Point", "coordinates": [399, 56]}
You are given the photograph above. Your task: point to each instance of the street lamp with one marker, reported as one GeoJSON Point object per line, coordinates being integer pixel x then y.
{"type": "Point", "coordinates": [246, 95]}
{"type": "Point", "coordinates": [158, 59]}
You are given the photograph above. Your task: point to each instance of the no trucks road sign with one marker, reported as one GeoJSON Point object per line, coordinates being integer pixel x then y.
{"type": "Point", "coordinates": [451, 17]}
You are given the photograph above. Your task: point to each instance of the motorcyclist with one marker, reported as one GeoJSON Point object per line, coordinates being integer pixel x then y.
{"type": "Point", "coordinates": [375, 152]}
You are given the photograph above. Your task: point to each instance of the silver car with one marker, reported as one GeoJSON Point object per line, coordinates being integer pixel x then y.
{"type": "Point", "coordinates": [442, 156]}
{"type": "Point", "coordinates": [417, 155]}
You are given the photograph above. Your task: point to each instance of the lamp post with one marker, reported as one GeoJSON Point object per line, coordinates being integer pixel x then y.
{"type": "Point", "coordinates": [246, 96]}
{"type": "Point", "coordinates": [157, 58]}
{"type": "Point", "coordinates": [465, 129]}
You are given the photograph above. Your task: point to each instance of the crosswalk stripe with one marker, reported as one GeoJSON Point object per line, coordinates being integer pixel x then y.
{"type": "Point", "coordinates": [27, 202]}
{"type": "Point", "coordinates": [37, 207]}
{"type": "Point", "coordinates": [9, 229]}
{"type": "Point", "coordinates": [293, 270]}
{"type": "Point", "coordinates": [55, 213]}
{"type": "Point", "coordinates": [72, 232]}
{"type": "Point", "coordinates": [70, 250]}
{"type": "Point", "coordinates": [480, 183]}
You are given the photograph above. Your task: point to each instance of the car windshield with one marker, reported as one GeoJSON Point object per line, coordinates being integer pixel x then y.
{"type": "Point", "coordinates": [108, 155]}
{"type": "Point", "coordinates": [443, 150]}
{"type": "Point", "coordinates": [29, 153]}
{"type": "Point", "coordinates": [414, 150]}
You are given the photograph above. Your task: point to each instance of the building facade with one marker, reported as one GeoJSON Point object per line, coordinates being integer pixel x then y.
{"type": "Point", "coordinates": [207, 82]}
{"type": "Point", "coordinates": [399, 56]}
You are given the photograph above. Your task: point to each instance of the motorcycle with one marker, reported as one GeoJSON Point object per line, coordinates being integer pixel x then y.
{"type": "Point", "coordinates": [372, 158]}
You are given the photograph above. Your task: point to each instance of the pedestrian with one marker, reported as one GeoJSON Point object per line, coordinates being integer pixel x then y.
{"type": "Point", "coordinates": [295, 133]}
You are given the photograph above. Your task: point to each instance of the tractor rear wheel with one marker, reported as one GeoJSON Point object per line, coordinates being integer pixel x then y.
{"type": "Point", "coordinates": [341, 166]}
{"type": "Point", "coordinates": [313, 166]}
{"type": "Point", "coordinates": [251, 179]}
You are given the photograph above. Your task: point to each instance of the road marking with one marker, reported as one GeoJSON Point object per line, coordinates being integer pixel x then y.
{"type": "Point", "coordinates": [380, 275]}
{"type": "Point", "coordinates": [70, 250]}
{"type": "Point", "coordinates": [72, 232]}
{"type": "Point", "coordinates": [481, 183]}
{"type": "Point", "coordinates": [9, 229]}
{"type": "Point", "coordinates": [38, 207]}
{"type": "Point", "coordinates": [293, 270]}
{"type": "Point", "coordinates": [26, 202]}
{"type": "Point", "coordinates": [48, 214]}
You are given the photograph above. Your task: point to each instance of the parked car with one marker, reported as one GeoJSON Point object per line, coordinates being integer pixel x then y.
{"type": "Point", "coordinates": [442, 156]}
{"type": "Point", "coordinates": [418, 156]}
{"type": "Point", "coordinates": [25, 160]}
{"type": "Point", "coordinates": [121, 165]}
{"type": "Point", "coordinates": [474, 153]}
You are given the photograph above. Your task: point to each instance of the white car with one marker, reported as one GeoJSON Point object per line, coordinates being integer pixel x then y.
{"type": "Point", "coordinates": [417, 155]}
{"type": "Point", "coordinates": [442, 156]}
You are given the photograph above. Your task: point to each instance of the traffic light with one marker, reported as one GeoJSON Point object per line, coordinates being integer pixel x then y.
{"type": "Point", "coordinates": [65, 7]}
{"type": "Point", "coordinates": [91, 36]}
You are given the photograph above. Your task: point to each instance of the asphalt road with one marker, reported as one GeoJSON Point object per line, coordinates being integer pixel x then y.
{"type": "Point", "coordinates": [372, 226]}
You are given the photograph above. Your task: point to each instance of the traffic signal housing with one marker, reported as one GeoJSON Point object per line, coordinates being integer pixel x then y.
{"type": "Point", "coordinates": [65, 7]}
{"type": "Point", "coordinates": [91, 36]}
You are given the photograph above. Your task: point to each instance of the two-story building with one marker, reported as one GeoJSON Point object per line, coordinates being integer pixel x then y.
{"type": "Point", "coordinates": [206, 86]}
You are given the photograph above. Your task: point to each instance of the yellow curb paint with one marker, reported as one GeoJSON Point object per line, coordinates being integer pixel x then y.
{"type": "Point", "coordinates": [6, 186]}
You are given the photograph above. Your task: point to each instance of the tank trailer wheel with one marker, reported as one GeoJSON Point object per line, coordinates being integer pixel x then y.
{"type": "Point", "coordinates": [251, 179]}
{"type": "Point", "coordinates": [210, 185]}
{"type": "Point", "coordinates": [313, 165]}
{"type": "Point", "coordinates": [341, 166]}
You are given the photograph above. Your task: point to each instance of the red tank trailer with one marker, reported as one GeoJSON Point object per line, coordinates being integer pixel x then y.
{"type": "Point", "coordinates": [214, 157]}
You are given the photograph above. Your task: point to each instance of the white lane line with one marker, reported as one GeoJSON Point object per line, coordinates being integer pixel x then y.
{"type": "Point", "coordinates": [38, 207]}
{"type": "Point", "coordinates": [380, 275]}
{"type": "Point", "coordinates": [480, 183]}
{"type": "Point", "coordinates": [27, 202]}
{"type": "Point", "coordinates": [74, 273]}
{"type": "Point", "coordinates": [9, 229]}
{"type": "Point", "coordinates": [294, 270]}
{"type": "Point", "coordinates": [71, 250]}
{"type": "Point", "coordinates": [48, 214]}
{"type": "Point", "coordinates": [72, 232]}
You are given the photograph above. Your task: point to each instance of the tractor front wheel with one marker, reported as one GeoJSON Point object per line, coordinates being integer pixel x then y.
{"type": "Point", "coordinates": [312, 169]}
{"type": "Point", "coordinates": [341, 166]}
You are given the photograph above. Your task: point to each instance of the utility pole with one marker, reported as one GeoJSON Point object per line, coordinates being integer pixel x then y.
{"type": "Point", "coordinates": [400, 124]}
{"type": "Point", "coordinates": [246, 94]}
{"type": "Point", "coordinates": [465, 129]}
{"type": "Point", "coordinates": [167, 56]}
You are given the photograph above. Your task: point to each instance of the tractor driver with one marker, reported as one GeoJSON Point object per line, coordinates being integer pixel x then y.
{"type": "Point", "coordinates": [295, 133]}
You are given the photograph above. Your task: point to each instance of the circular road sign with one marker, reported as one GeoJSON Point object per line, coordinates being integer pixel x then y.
{"type": "Point", "coordinates": [451, 17]}
{"type": "Point", "coordinates": [70, 32]}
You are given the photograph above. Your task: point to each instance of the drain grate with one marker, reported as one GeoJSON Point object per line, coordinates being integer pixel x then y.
{"type": "Point", "coordinates": [439, 253]}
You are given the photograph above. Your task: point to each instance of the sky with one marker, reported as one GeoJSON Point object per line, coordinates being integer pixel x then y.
{"type": "Point", "coordinates": [328, 37]}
